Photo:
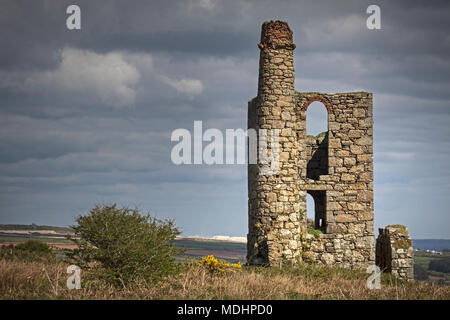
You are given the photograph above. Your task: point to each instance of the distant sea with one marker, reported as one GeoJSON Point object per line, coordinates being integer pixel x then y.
{"type": "Point", "coordinates": [431, 244]}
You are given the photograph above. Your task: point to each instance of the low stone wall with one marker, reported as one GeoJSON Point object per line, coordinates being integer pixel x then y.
{"type": "Point", "coordinates": [343, 250]}
{"type": "Point", "coordinates": [394, 252]}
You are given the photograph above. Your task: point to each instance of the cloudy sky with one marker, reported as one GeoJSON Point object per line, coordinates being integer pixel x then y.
{"type": "Point", "coordinates": [86, 115]}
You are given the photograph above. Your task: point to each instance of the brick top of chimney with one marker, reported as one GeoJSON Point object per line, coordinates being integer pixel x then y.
{"type": "Point", "coordinates": [276, 35]}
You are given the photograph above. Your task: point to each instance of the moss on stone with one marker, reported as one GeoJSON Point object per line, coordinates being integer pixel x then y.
{"type": "Point", "coordinates": [301, 214]}
{"type": "Point", "coordinates": [401, 243]}
{"type": "Point", "coordinates": [400, 235]}
{"type": "Point", "coordinates": [316, 233]}
{"type": "Point", "coordinates": [398, 228]}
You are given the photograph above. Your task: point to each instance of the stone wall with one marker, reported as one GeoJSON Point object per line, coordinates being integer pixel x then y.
{"type": "Point", "coordinates": [347, 182]}
{"type": "Point", "coordinates": [394, 252]}
{"type": "Point", "coordinates": [343, 250]}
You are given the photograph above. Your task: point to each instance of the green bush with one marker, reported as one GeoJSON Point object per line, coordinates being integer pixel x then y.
{"type": "Point", "coordinates": [35, 246]}
{"type": "Point", "coordinates": [122, 246]}
{"type": "Point", "coordinates": [30, 250]}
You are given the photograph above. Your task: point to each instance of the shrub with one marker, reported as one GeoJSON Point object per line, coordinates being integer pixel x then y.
{"type": "Point", "coordinates": [30, 250]}
{"type": "Point", "coordinates": [218, 267]}
{"type": "Point", "coordinates": [122, 246]}
{"type": "Point", "coordinates": [35, 246]}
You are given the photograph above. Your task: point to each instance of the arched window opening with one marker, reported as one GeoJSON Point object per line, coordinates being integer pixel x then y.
{"type": "Point", "coordinates": [316, 119]}
{"type": "Point", "coordinates": [317, 140]}
{"type": "Point", "coordinates": [316, 210]}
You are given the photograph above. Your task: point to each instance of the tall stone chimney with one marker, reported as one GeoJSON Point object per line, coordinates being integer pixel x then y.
{"type": "Point", "coordinates": [274, 218]}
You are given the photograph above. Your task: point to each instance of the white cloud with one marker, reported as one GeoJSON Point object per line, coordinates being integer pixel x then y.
{"type": "Point", "coordinates": [333, 30]}
{"type": "Point", "coordinates": [399, 155]}
{"type": "Point", "coordinates": [204, 4]}
{"type": "Point", "coordinates": [106, 76]}
{"type": "Point", "coordinates": [191, 87]}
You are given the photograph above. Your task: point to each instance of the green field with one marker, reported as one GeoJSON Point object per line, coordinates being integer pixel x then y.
{"type": "Point", "coordinates": [422, 259]}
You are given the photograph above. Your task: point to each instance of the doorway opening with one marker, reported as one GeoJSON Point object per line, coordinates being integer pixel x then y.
{"type": "Point", "coordinates": [316, 210]}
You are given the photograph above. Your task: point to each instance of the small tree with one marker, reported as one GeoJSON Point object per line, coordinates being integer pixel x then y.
{"type": "Point", "coordinates": [121, 246]}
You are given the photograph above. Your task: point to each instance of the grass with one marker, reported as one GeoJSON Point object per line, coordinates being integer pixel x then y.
{"type": "Point", "coordinates": [423, 261]}
{"type": "Point", "coordinates": [440, 275]}
{"type": "Point", "coordinates": [47, 280]}
{"type": "Point", "coordinates": [38, 280]}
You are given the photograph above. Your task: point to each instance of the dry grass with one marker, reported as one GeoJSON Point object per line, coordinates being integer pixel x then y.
{"type": "Point", "coordinates": [33, 280]}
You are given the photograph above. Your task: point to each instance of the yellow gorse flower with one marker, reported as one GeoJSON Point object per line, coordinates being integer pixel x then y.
{"type": "Point", "coordinates": [215, 266]}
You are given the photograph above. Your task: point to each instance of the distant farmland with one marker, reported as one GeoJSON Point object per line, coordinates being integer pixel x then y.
{"type": "Point", "coordinates": [55, 236]}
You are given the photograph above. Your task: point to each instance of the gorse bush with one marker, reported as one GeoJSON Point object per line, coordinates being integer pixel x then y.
{"type": "Point", "coordinates": [218, 267]}
{"type": "Point", "coordinates": [30, 250]}
{"type": "Point", "coordinates": [122, 246]}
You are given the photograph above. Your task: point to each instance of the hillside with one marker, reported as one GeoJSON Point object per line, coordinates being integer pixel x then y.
{"type": "Point", "coordinates": [37, 280]}
{"type": "Point", "coordinates": [33, 227]}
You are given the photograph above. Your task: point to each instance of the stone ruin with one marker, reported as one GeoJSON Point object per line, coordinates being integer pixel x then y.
{"type": "Point", "coordinates": [335, 168]}
{"type": "Point", "coordinates": [394, 251]}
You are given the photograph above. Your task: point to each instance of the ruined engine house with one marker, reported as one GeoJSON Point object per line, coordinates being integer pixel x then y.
{"type": "Point", "coordinates": [335, 168]}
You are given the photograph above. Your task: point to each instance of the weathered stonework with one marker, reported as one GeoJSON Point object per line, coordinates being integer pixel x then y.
{"type": "Point", "coordinates": [394, 252]}
{"type": "Point", "coordinates": [274, 220]}
{"type": "Point", "coordinates": [335, 168]}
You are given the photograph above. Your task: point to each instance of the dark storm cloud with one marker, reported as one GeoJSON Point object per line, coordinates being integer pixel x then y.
{"type": "Point", "coordinates": [86, 116]}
